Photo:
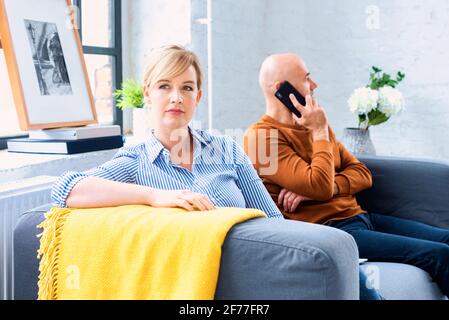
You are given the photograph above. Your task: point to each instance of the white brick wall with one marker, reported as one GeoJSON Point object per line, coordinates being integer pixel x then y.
{"type": "Point", "coordinates": [150, 24]}
{"type": "Point", "coordinates": [333, 37]}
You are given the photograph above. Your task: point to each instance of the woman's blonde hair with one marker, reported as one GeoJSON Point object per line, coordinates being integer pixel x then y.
{"type": "Point", "coordinates": [168, 62]}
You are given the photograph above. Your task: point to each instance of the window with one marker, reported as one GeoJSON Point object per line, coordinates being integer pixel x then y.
{"type": "Point", "coordinates": [100, 30]}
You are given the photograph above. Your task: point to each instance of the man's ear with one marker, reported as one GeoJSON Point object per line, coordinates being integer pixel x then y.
{"type": "Point", "coordinates": [277, 85]}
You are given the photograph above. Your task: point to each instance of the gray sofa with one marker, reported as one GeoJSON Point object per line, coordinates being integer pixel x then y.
{"type": "Point", "coordinates": [270, 259]}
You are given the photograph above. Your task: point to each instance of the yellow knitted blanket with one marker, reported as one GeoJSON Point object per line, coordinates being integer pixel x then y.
{"type": "Point", "coordinates": [133, 252]}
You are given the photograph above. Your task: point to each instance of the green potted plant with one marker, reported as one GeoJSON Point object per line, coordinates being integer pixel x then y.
{"type": "Point", "coordinates": [130, 96]}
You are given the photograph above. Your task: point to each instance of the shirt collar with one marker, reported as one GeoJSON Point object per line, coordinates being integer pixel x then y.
{"type": "Point", "coordinates": [200, 135]}
{"type": "Point", "coordinates": [154, 146]}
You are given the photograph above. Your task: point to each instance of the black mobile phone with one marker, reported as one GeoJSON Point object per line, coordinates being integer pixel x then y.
{"type": "Point", "coordinates": [283, 95]}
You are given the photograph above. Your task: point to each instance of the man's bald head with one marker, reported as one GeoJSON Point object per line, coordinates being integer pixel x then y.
{"type": "Point", "coordinates": [274, 71]}
{"type": "Point", "coordinates": [279, 68]}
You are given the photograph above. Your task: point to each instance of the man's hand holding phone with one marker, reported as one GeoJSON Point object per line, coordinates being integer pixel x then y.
{"type": "Point", "coordinates": [313, 117]}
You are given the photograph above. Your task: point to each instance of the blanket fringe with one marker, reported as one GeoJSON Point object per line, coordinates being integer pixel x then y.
{"type": "Point", "coordinates": [49, 252]}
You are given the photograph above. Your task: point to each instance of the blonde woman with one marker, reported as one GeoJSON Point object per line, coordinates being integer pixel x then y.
{"type": "Point", "coordinates": [176, 166]}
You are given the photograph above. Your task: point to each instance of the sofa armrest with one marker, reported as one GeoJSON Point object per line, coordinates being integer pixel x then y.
{"type": "Point", "coordinates": [410, 188]}
{"type": "Point", "coordinates": [261, 259]}
{"type": "Point", "coordinates": [285, 259]}
{"type": "Point", "coordinates": [26, 244]}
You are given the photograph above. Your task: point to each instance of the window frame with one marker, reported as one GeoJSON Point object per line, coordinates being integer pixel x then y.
{"type": "Point", "coordinates": [114, 51]}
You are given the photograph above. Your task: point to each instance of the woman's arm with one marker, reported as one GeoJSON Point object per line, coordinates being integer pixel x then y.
{"type": "Point", "coordinates": [113, 184]}
{"type": "Point", "coordinates": [94, 192]}
{"type": "Point", "coordinates": [122, 168]}
{"type": "Point", "coordinates": [255, 194]}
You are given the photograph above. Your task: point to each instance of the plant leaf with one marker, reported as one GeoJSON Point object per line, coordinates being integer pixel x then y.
{"type": "Point", "coordinates": [376, 117]}
{"type": "Point", "coordinates": [130, 95]}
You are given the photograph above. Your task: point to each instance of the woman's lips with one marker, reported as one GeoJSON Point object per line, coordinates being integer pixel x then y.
{"type": "Point", "coordinates": [175, 111]}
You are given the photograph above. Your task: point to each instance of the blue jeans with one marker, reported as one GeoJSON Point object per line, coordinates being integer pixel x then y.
{"type": "Point", "coordinates": [391, 239]}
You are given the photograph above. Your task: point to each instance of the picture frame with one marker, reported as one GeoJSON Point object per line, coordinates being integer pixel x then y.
{"type": "Point", "coordinates": [45, 62]}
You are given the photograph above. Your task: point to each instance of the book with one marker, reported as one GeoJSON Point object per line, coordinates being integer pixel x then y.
{"type": "Point", "coordinates": [76, 133]}
{"type": "Point", "coordinates": [26, 145]}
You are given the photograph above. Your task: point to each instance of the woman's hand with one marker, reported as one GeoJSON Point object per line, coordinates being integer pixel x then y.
{"type": "Point", "coordinates": [289, 200]}
{"type": "Point", "coordinates": [186, 199]}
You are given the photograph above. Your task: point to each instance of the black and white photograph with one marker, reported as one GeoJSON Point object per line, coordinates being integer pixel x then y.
{"type": "Point", "coordinates": [48, 58]}
{"type": "Point", "coordinates": [47, 72]}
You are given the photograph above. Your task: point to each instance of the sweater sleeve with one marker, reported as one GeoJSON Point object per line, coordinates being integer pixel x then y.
{"type": "Point", "coordinates": [353, 176]}
{"type": "Point", "coordinates": [314, 180]}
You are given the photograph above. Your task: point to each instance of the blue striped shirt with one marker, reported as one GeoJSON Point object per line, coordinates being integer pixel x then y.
{"type": "Point", "coordinates": [220, 169]}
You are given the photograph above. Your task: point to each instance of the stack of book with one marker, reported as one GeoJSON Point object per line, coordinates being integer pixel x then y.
{"type": "Point", "coordinates": [69, 140]}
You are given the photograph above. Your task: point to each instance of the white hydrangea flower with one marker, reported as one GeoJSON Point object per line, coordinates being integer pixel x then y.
{"type": "Point", "coordinates": [363, 100]}
{"type": "Point", "coordinates": [391, 101]}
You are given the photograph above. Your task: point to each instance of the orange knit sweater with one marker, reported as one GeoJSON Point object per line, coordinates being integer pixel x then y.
{"type": "Point", "coordinates": [307, 168]}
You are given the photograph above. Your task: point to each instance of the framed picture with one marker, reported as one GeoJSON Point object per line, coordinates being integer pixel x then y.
{"type": "Point", "coordinates": [45, 63]}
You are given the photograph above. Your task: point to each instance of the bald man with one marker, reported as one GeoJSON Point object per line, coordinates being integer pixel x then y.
{"type": "Point", "coordinates": [316, 178]}
{"type": "Point", "coordinates": [312, 166]}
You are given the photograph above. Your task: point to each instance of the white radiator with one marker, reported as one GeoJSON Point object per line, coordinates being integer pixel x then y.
{"type": "Point", "coordinates": [15, 199]}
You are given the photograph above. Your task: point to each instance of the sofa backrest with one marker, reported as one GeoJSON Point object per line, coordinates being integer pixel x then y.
{"type": "Point", "coordinates": [410, 188]}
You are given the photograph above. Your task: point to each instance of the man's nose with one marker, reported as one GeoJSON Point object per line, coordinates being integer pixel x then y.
{"type": "Point", "coordinates": [313, 85]}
